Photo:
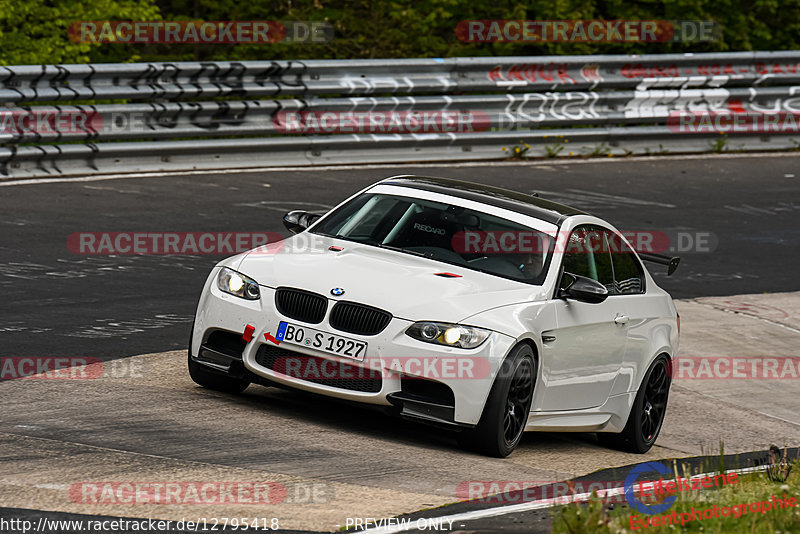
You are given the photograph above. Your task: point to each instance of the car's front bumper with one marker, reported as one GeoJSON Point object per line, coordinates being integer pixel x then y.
{"type": "Point", "coordinates": [399, 359]}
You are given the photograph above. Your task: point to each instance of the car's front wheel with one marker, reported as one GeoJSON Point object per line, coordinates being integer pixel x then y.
{"type": "Point", "coordinates": [506, 412]}
{"type": "Point", "coordinates": [647, 414]}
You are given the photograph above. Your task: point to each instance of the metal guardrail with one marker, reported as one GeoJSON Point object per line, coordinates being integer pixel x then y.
{"type": "Point", "coordinates": [240, 114]}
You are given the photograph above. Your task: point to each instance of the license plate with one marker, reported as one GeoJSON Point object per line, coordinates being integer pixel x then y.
{"type": "Point", "coordinates": [324, 341]}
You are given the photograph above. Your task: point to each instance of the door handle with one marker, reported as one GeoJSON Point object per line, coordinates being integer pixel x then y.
{"type": "Point", "coordinates": [621, 319]}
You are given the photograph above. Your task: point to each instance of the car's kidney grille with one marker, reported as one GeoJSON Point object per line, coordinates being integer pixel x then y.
{"type": "Point", "coordinates": [319, 370]}
{"type": "Point", "coordinates": [358, 318]}
{"type": "Point", "coordinates": [301, 305]}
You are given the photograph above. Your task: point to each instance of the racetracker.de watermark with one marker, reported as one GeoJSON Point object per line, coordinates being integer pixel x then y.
{"type": "Point", "coordinates": [165, 243]}
{"type": "Point", "coordinates": [735, 368]}
{"type": "Point", "coordinates": [587, 31]}
{"type": "Point", "coordinates": [437, 367]}
{"type": "Point", "coordinates": [412, 121]}
{"type": "Point", "coordinates": [198, 493]}
{"type": "Point", "coordinates": [520, 491]}
{"type": "Point", "coordinates": [463, 242]}
{"type": "Point", "coordinates": [595, 241]}
{"type": "Point", "coordinates": [733, 122]}
{"type": "Point", "coordinates": [199, 32]}
{"type": "Point", "coordinates": [49, 122]}
{"type": "Point", "coordinates": [69, 368]}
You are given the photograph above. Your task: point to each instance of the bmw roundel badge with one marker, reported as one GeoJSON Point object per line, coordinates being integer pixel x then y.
{"type": "Point", "coordinates": [336, 291]}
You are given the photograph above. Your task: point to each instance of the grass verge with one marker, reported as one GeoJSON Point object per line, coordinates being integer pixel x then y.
{"type": "Point", "coordinates": [757, 503]}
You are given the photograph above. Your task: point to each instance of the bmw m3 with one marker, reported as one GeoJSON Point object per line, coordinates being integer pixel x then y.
{"type": "Point", "coordinates": [480, 309]}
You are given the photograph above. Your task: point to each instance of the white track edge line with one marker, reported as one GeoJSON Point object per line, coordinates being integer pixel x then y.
{"type": "Point", "coordinates": [532, 505]}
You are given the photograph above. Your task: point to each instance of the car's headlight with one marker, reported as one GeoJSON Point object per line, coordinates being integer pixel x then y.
{"type": "Point", "coordinates": [447, 334]}
{"type": "Point", "coordinates": [237, 284]}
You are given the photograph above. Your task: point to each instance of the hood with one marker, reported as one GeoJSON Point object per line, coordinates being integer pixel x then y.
{"type": "Point", "coordinates": [402, 284]}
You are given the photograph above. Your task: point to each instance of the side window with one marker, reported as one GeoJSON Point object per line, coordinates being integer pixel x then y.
{"type": "Point", "coordinates": [587, 254]}
{"type": "Point", "coordinates": [628, 274]}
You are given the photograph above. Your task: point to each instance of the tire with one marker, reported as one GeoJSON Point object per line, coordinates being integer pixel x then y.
{"type": "Point", "coordinates": [647, 413]}
{"type": "Point", "coordinates": [502, 423]}
{"type": "Point", "coordinates": [209, 379]}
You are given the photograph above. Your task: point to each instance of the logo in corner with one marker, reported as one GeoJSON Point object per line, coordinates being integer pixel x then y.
{"type": "Point", "coordinates": [630, 490]}
{"type": "Point", "coordinates": [337, 291]}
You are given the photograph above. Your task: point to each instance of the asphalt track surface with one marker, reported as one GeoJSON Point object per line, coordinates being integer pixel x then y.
{"type": "Point", "coordinates": [159, 425]}
{"type": "Point", "coordinates": [534, 521]}
{"type": "Point", "coordinates": [58, 303]}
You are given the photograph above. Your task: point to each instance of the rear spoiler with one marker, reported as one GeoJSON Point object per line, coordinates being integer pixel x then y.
{"type": "Point", "coordinates": [669, 261]}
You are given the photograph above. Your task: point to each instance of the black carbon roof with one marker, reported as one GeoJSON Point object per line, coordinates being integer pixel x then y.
{"type": "Point", "coordinates": [546, 210]}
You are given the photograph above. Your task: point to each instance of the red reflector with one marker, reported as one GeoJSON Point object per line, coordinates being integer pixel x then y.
{"type": "Point", "coordinates": [448, 275]}
{"type": "Point", "coordinates": [335, 249]}
{"type": "Point", "coordinates": [248, 333]}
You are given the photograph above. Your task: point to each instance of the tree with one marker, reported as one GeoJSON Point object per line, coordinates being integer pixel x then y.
{"type": "Point", "coordinates": [35, 32]}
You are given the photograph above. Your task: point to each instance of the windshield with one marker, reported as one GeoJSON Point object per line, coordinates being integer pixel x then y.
{"type": "Point", "coordinates": [443, 232]}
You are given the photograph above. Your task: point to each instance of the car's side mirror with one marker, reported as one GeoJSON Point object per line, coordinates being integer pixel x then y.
{"type": "Point", "coordinates": [298, 220]}
{"type": "Point", "coordinates": [582, 289]}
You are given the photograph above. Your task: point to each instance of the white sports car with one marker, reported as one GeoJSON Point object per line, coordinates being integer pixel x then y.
{"type": "Point", "coordinates": [481, 309]}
